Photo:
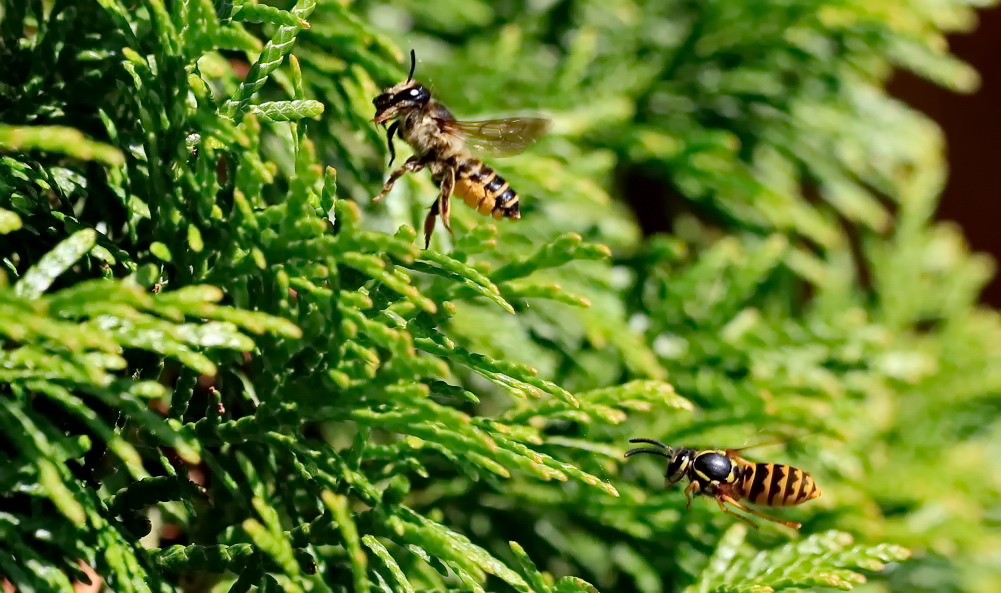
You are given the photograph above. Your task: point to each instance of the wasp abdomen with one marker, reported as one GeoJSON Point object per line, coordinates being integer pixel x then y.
{"type": "Point", "coordinates": [778, 485]}
{"type": "Point", "coordinates": [482, 189]}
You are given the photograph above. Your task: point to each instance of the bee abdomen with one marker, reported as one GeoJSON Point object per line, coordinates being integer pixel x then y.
{"type": "Point", "coordinates": [485, 191]}
{"type": "Point", "coordinates": [507, 205]}
{"type": "Point", "coordinates": [774, 484]}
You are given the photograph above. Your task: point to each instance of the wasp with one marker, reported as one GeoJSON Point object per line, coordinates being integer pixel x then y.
{"type": "Point", "coordinates": [442, 144]}
{"type": "Point", "coordinates": [729, 478]}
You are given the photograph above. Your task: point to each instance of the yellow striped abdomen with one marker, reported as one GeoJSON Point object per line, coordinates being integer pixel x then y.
{"type": "Point", "coordinates": [483, 190]}
{"type": "Point", "coordinates": [776, 485]}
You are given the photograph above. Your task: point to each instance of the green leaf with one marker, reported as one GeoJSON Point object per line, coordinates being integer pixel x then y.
{"type": "Point", "coordinates": [40, 277]}
{"type": "Point", "coordinates": [830, 559]}
{"type": "Point", "coordinates": [261, 13]}
{"type": "Point", "coordinates": [399, 577]}
{"type": "Point", "coordinates": [271, 57]}
{"type": "Point", "coordinates": [453, 269]}
{"type": "Point", "coordinates": [9, 221]}
{"type": "Point", "coordinates": [276, 111]}
{"type": "Point", "coordinates": [339, 506]}
{"type": "Point", "coordinates": [58, 139]}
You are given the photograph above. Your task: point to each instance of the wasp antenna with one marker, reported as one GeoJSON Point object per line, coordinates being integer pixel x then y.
{"type": "Point", "coordinates": [413, 64]}
{"type": "Point", "coordinates": [650, 442]}
{"type": "Point", "coordinates": [660, 452]}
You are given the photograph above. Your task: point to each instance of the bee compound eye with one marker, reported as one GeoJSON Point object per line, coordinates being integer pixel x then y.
{"type": "Point", "coordinates": [418, 93]}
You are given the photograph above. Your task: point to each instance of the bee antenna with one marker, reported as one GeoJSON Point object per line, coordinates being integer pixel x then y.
{"type": "Point", "coordinates": [413, 65]}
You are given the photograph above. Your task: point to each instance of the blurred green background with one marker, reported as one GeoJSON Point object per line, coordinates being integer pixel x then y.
{"type": "Point", "coordinates": [225, 368]}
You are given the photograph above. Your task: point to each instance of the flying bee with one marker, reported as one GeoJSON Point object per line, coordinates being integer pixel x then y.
{"type": "Point", "coordinates": [729, 478]}
{"type": "Point", "coordinates": [441, 143]}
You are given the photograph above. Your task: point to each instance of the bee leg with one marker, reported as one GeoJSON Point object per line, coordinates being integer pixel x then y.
{"type": "Point", "coordinates": [389, 141]}
{"type": "Point", "coordinates": [447, 185]}
{"type": "Point", "coordinates": [741, 517]}
{"type": "Point", "coordinates": [692, 487]}
{"type": "Point", "coordinates": [412, 165]}
{"type": "Point", "coordinates": [731, 500]}
{"type": "Point", "coordinates": [429, 222]}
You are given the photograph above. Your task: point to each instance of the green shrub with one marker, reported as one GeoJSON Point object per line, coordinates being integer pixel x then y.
{"type": "Point", "coordinates": [223, 367]}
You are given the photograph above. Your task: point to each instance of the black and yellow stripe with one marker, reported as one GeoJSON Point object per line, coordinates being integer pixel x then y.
{"type": "Point", "coordinates": [775, 484]}
{"type": "Point", "coordinates": [498, 198]}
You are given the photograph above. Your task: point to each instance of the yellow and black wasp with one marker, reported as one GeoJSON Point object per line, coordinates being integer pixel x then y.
{"type": "Point", "coordinates": [729, 478]}
{"type": "Point", "coordinates": [441, 143]}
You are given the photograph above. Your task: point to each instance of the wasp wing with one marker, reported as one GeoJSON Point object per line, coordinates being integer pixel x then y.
{"type": "Point", "coordinates": [783, 441]}
{"type": "Point", "coordinates": [734, 455]}
{"type": "Point", "coordinates": [500, 137]}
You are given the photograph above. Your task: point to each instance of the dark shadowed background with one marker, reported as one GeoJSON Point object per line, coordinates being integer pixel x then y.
{"type": "Point", "coordinates": [973, 133]}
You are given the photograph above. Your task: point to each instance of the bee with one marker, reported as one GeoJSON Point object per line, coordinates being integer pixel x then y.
{"type": "Point", "coordinates": [729, 478]}
{"type": "Point", "coordinates": [441, 143]}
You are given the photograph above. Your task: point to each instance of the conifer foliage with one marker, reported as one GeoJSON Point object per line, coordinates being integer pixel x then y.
{"type": "Point", "coordinates": [224, 369]}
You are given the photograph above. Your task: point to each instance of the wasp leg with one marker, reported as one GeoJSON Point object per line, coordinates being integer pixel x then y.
{"type": "Point", "coordinates": [692, 486]}
{"type": "Point", "coordinates": [729, 499]}
{"type": "Point", "coordinates": [412, 165]}
{"type": "Point", "coordinates": [447, 185]}
{"type": "Point", "coordinates": [429, 222]}
{"type": "Point", "coordinates": [741, 517]}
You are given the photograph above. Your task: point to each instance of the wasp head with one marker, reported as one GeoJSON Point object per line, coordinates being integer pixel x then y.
{"type": "Point", "coordinates": [679, 460]}
{"type": "Point", "coordinates": [401, 98]}
{"type": "Point", "coordinates": [678, 467]}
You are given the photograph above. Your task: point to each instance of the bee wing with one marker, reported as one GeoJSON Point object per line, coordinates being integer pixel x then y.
{"type": "Point", "coordinates": [500, 137]}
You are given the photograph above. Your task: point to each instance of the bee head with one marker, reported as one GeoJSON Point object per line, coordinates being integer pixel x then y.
{"type": "Point", "coordinates": [402, 97]}
{"type": "Point", "coordinates": [678, 460]}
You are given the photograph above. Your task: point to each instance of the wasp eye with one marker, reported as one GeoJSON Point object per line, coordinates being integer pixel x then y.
{"type": "Point", "coordinates": [676, 468]}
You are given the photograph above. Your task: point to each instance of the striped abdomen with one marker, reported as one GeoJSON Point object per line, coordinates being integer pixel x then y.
{"type": "Point", "coordinates": [777, 485]}
{"type": "Point", "coordinates": [482, 189]}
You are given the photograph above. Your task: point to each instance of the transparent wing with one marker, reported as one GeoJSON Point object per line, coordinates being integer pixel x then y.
{"type": "Point", "coordinates": [499, 137]}
{"type": "Point", "coordinates": [782, 441]}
